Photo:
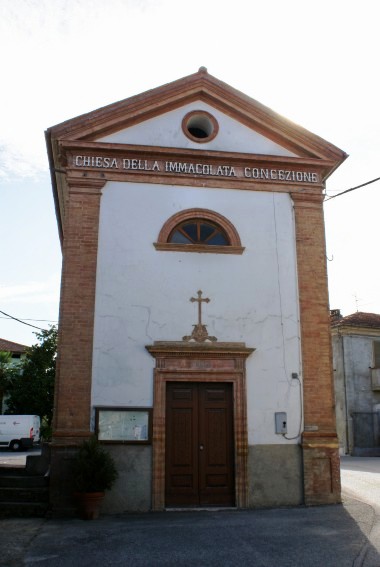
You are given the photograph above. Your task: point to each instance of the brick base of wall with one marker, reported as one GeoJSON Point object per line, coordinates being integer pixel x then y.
{"type": "Point", "coordinates": [62, 500]}
{"type": "Point", "coordinates": [321, 466]}
{"type": "Point", "coordinates": [321, 469]}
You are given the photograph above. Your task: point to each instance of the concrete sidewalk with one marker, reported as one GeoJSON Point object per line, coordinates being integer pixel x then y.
{"type": "Point", "coordinates": [325, 536]}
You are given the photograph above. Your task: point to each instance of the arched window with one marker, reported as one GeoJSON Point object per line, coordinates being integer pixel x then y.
{"type": "Point", "coordinates": [199, 230]}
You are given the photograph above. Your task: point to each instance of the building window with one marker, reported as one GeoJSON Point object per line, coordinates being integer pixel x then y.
{"type": "Point", "coordinates": [376, 354]}
{"type": "Point", "coordinates": [199, 230]}
{"type": "Point", "coordinates": [200, 126]}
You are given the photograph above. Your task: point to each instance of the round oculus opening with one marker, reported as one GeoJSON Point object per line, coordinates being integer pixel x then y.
{"type": "Point", "coordinates": [200, 126]}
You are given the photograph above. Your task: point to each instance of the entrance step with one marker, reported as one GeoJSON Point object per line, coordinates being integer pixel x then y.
{"type": "Point", "coordinates": [23, 495]}
{"type": "Point", "coordinates": [24, 492]}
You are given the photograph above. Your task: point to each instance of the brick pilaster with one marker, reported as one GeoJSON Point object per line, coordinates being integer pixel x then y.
{"type": "Point", "coordinates": [76, 325]}
{"type": "Point", "coordinates": [319, 442]}
{"type": "Point", "coordinates": [72, 402]}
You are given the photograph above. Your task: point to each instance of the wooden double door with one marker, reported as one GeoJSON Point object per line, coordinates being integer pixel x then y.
{"type": "Point", "coordinates": [199, 444]}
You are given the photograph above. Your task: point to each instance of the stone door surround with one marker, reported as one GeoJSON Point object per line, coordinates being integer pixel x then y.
{"type": "Point", "coordinates": [195, 362]}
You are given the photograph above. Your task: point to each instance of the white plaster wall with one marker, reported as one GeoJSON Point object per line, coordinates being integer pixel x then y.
{"type": "Point", "coordinates": [166, 130]}
{"type": "Point", "coordinates": [143, 296]}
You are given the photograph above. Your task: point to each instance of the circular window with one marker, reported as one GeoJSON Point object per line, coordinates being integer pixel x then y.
{"type": "Point", "coordinates": [200, 126]}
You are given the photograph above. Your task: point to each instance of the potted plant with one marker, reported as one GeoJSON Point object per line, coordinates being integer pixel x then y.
{"type": "Point", "coordinates": [94, 472]}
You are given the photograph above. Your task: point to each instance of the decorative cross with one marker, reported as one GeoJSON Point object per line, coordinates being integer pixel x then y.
{"type": "Point", "coordinates": [199, 334]}
{"type": "Point", "coordinates": [200, 301]}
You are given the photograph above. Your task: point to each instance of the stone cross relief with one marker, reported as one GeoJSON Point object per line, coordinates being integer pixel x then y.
{"type": "Point", "coordinates": [199, 334]}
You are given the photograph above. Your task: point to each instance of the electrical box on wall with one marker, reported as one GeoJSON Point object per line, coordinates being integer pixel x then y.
{"type": "Point", "coordinates": [281, 422]}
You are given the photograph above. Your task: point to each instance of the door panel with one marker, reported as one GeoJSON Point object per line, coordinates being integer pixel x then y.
{"type": "Point", "coordinates": [216, 435]}
{"type": "Point", "coordinates": [181, 444]}
{"type": "Point", "coordinates": [199, 444]}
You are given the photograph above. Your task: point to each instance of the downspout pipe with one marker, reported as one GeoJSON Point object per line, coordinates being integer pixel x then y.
{"type": "Point", "coordinates": [348, 448]}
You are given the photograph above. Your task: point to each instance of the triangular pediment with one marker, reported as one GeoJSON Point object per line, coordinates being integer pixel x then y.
{"type": "Point", "coordinates": [165, 131]}
{"type": "Point", "coordinates": [250, 127]}
{"type": "Point", "coordinates": [151, 126]}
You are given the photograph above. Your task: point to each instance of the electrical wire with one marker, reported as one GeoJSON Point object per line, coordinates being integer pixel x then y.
{"type": "Point", "coordinates": [279, 286]}
{"type": "Point", "coordinates": [26, 319]}
{"type": "Point", "coordinates": [352, 189]}
{"type": "Point", "coordinates": [285, 436]}
{"type": "Point", "coordinates": [23, 322]}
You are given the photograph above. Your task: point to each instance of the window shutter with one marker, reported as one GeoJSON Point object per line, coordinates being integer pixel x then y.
{"type": "Point", "coordinates": [376, 354]}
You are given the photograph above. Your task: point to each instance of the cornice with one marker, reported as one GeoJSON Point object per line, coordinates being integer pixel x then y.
{"type": "Point", "coordinates": [107, 148]}
{"type": "Point", "coordinates": [350, 330]}
{"type": "Point", "coordinates": [305, 199]}
{"type": "Point", "coordinates": [170, 349]}
{"type": "Point", "coordinates": [320, 439]}
{"type": "Point", "coordinates": [198, 248]}
{"type": "Point", "coordinates": [85, 185]}
{"type": "Point", "coordinates": [250, 171]}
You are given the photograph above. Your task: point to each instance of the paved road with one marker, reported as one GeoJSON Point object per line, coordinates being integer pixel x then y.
{"type": "Point", "coordinates": [323, 536]}
{"type": "Point", "coordinates": [16, 459]}
{"type": "Point", "coordinates": [360, 477]}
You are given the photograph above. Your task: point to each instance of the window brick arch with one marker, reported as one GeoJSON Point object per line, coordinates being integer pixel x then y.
{"type": "Point", "coordinates": [222, 226]}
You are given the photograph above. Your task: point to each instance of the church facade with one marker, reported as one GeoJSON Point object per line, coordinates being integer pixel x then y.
{"type": "Point", "coordinates": [194, 334]}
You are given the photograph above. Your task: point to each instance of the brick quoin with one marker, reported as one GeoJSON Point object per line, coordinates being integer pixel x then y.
{"type": "Point", "coordinates": [320, 444]}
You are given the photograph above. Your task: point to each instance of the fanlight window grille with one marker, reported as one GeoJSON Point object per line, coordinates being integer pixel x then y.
{"type": "Point", "coordinates": [198, 231]}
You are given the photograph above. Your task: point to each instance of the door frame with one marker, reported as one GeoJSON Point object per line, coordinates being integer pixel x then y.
{"type": "Point", "coordinates": [184, 362]}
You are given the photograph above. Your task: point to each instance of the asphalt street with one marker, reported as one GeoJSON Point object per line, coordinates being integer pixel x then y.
{"type": "Point", "coordinates": [323, 536]}
{"type": "Point", "coordinates": [360, 477]}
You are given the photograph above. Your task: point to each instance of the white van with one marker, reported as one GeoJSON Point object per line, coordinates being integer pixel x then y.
{"type": "Point", "coordinates": [19, 431]}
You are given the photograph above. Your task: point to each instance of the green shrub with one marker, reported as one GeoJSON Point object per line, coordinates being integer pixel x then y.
{"type": "Point", "coordinates": [94, 469]}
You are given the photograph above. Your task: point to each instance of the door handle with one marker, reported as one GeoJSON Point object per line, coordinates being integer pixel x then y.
{"type": "Point", "coordinates": [201, 447]}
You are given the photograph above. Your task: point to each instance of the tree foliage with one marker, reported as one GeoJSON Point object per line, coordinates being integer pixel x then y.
{"type": "Point", "coordinates": [30, 386]}
{"type": "Point", "coordinates": [5, 359]}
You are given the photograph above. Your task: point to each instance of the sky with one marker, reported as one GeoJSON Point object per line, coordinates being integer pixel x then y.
{"type": "Point", "coordinates": [316, 63]}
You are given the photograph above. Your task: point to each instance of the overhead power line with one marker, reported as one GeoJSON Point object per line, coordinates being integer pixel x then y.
{"type": "Point", "coordinates": [23, 322]}
{"type": "Point", "coordinates": [26, 319]}
{"type": "Point", "coordinates": [353, 189]}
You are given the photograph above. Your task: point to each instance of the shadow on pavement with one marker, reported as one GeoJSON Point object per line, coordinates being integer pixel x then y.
{"type": "Point", "coordinates": [325, 536]}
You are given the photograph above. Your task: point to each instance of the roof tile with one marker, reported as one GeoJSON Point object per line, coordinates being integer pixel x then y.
{"type": "Point", "coordinates": [358, 319]}
{"type": "Point", "coordinates": [10, 346]}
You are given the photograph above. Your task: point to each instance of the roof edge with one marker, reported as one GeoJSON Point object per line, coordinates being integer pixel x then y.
{"type": "Point", "coordinates": [153, 101]}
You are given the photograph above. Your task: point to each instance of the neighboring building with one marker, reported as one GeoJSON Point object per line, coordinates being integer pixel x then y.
{"type": "Point", "coordinates": [17, 352]}
{"type": "Point", "coordinates": [356, 360]}
{"type": "Point", "coordinates": [194, 333]}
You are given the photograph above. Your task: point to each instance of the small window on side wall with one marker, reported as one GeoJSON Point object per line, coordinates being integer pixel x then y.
{"type": "Point", "coordinates": [199, 230]}
{"type": "Point", "coordinates": [376, 354]}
